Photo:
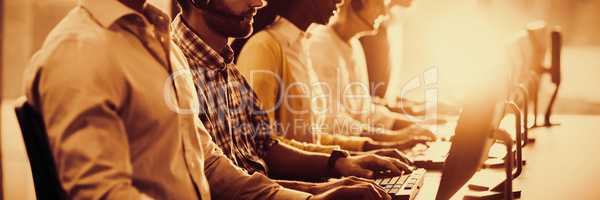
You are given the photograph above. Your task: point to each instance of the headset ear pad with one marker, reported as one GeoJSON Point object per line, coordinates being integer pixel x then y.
{"type": "Point", "coordinates": [200, 3]}
{"type": "Point", "coordinates": [357, 5]}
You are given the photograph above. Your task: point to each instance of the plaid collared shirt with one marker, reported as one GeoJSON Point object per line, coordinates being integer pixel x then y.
{"type": "Point", "coordinates": [229, 107]}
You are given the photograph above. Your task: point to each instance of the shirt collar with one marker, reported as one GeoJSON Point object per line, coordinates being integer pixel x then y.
{"type": "Point", "coordinates": [108, 12]}
{"type": "Point", "coordinates": [319, 30]}
{"type": "Point", "coordinates": [196, 49]}
{"type": "Point", "coordinates": [290, 32]}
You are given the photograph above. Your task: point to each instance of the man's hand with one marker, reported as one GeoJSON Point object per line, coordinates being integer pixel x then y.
{"type": "Point", "coordinates": [390, 152]}
{"type": "Point", "coordinates": [402, 124]}
{"type": "Point", "coordinates": [356, 189]}
{"type": "Point", "coordinates": [374, 146]}
{"type": "Point", "coordinates": [319, 188]}
{"type": "Point", "coordinates": [414, 132]}
{"type": "Point", "coordinates": [366, 166]}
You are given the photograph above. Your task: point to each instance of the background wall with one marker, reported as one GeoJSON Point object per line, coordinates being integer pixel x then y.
{"type": "Point", "coordinates": [27, 22]}
{"type": "Point", "coordinates": [463, 39]}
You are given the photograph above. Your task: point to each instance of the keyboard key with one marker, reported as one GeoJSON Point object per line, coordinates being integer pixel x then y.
{"type": "Point", "coordinates": [394, 180]}
{"type": "Point", "coordinates": [388, 187]}
{"type": "Point", "coordinates": [402, 180]}
{"type": "Point", "coordinates": [403, 187]}
{"type": "Point", "coordinates": [385, 181]}
{"type": "Point", "coordinates": [378, 181]}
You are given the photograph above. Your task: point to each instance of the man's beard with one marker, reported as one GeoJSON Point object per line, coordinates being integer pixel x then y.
{"type": "Point", "coordinates": [229, 26]}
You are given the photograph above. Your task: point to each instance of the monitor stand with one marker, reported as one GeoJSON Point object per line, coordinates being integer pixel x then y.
{"type": "Point", "coordinates": [500, 191]}
{"type": "Point", "coordinates": [505, 187]}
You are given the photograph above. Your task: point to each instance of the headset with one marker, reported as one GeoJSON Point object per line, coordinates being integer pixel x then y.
{"type": "Point", "coordinates": [357, 6]}
{"type": "Point", "coordinates": [200, 3]}
{"type": "Point", "coordinates": [206, 5]}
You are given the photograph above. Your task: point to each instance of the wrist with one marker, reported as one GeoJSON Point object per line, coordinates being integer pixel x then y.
{"type": "Point", "coordinates": [339, 164]}
{"type": "Point", "coordinates": [370, 145]}
{"type": "Point", "coordinates": [336, 159]}
{"type": "Point", "coordinates": [401, 124]}
{"type": "Point", "coordinates": [312, 188]}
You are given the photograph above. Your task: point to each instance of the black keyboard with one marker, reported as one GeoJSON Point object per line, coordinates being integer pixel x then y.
{"type": "Point", "coordinates": [403, 187]}
{"type": "Point", "coordinates": [431, 158]}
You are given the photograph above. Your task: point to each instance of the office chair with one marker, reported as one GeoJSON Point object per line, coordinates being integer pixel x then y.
{"type": "Point", "coordinates": [532, 49]}
{"type": "Point", "coordinates": [554, 70]}
{"type": "Point", "coordinates": [45, 177]}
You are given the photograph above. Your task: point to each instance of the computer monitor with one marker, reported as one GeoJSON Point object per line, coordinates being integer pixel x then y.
{"type": "Point", "coordinates": [482, 112]}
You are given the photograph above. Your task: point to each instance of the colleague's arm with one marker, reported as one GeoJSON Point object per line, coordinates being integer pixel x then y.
{"type": "Point", "coordinates": [350, 143]}
{"type": "Point", "coordinates": [228, 181]}
{"type": "Point", "coordinates": [287, 162]}
{"type": "Point", "coordinates": [323, 187]}
{"type": "Point", "coordinates": [80, 98]}
{"type": "Point", "coordinates": [376, 49]}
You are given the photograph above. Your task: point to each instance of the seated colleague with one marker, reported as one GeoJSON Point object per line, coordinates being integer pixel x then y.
{"type": "Point", "coordinates": [344, 76]}
{"type": "Point", "coordinates": [274, 63]}
{"type": "Point", "coordinates": [229, 107]}
{"type": "Point", "coordinates": [377, 57]}
{"type": "Point", "coordinates": [115, 132]}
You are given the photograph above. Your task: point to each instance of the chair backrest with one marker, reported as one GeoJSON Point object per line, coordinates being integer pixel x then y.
{"type": "Point", "coordinates": [45, 177]}
{"type": "Point", "coordinates": [556, 47]}
{"type": "Point", "coordinates": [539, 40]}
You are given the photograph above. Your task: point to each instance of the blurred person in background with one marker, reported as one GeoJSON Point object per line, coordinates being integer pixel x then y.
{"type": "Point", "coordinates": [343, 76]}
{"type": "Point", "coordinates": [275, 64]}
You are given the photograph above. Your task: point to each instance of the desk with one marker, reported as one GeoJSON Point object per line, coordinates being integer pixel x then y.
{"type": "Point", "coordinates": [564, 162]}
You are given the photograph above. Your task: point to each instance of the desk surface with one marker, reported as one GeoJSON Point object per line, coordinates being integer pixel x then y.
{"type": "Point", "coordinates": [563, 163]}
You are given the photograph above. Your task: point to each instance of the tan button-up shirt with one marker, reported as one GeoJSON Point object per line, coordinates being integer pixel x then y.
{"type": "Point", "coordinates": [119, 126]}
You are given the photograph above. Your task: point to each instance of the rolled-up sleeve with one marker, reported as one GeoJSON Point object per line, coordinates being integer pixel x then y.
{"type": "Point", "coordinates": [87, 137]}
{"type": "Point", "coordinates": [229, 182]}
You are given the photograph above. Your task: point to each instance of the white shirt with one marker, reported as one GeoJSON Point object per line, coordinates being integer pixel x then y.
{"type": "Point", "coordinates": [342, 70]}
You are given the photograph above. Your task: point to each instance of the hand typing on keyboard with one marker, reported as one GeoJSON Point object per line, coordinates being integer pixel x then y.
{"type": "Point", "coordinates": [414, 131]}
{"type": "Point", "coordinates": [400, 145]}
{"type": "Point", "coordinates": [319, 188]}
{"type": "Point", "coordinates": [353, 188]}
{"type": "Point", "coordinates": [392, 153]}
{"type": "Point", "coordinates": [365, 166]}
